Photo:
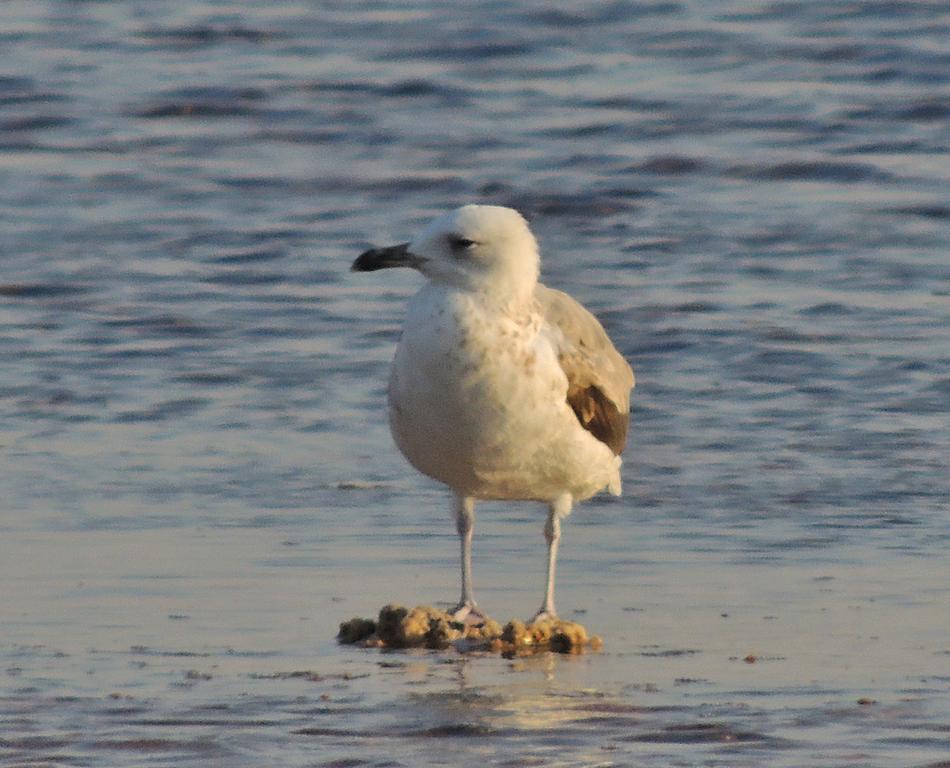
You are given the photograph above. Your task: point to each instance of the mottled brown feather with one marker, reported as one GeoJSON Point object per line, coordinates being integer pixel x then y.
{"type": "Point", "coordinates": [599, 416]}
{"type": "Point", "coordinates": [599, 380]}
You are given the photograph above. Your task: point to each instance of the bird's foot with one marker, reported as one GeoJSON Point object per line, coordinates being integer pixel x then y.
{"type": "Point", "coordinates": [469, 614]}
{"type": "Point", "coordinates": [543, 615]}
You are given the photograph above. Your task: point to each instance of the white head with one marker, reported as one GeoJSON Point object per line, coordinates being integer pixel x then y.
{"type": "Point", "coordinates": [476, 247]}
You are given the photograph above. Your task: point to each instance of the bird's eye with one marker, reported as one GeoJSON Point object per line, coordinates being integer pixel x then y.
{"type": "Point", "coordinates": [459, 243]}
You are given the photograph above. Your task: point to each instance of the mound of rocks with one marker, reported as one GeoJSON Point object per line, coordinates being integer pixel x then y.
{"type": "Point", "coordinates": [428, 627]}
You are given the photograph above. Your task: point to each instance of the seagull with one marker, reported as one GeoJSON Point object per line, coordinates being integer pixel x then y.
{"type": "Point", "coordinates": [502, 388]}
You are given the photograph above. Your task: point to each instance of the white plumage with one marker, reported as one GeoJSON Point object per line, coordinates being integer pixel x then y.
{"type": "Point", "coordinates": [502, 388]}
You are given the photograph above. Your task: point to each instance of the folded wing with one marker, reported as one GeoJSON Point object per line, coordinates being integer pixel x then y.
{"type": "Point", "coordinates": [599, 379]}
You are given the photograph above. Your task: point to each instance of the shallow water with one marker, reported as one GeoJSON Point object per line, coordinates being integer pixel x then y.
{"type": "Point", "coordinates": [197, 479]}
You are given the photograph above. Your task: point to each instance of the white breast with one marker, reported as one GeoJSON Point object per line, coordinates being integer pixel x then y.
{"type": "Point", "coordinates": [478, 401]}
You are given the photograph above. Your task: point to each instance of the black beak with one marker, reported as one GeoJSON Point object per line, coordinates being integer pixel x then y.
{"type": "Point", "coordinates": [386, 258]}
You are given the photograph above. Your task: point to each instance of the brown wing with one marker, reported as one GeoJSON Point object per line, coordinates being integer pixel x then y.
{"type": "Point", "coordinates": [599, 416]}
{"type": "Point", "coordinates": [599, 379]}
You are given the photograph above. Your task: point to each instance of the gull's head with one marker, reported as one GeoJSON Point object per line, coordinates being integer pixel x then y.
{"type": "Point", "coordinates": [475, 247]}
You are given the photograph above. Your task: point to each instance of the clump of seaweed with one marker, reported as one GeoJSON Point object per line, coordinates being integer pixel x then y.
{"type": "Point", "coordinates": [355, 630]}
{"type": "Point", "coordinates": [428, 627]}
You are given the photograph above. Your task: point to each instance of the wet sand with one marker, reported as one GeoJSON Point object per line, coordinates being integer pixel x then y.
{"type": "Point", "coordinates": [174, 660]}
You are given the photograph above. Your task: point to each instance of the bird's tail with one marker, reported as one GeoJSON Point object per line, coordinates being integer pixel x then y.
{"type": "Point", "coordinates": [615, 487]}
